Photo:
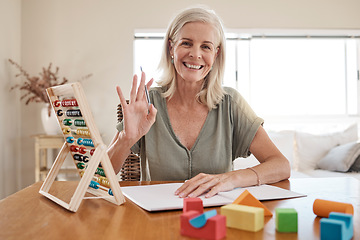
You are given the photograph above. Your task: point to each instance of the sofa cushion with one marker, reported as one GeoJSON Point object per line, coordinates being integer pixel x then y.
{"type": "Point", "coordinates": [356, 165]}
{"type": "Point", "coordinates": [340, 158]}
{"type": "Point", "coordinates": [310, 148]}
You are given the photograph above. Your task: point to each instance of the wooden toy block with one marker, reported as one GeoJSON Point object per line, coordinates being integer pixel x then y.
{"type": "Point", "coordinates": [246, 198]}
{"type": "Point", "coordinates": [193, 204]}
{"type": "Point", "coordinates": [338, 226]}
{"type": "Point", "coordinates": [323, 208]}
{"type": "Point", "coordinates": [214, 229]}
{"type": "Point", "coordinates": [200, 220]}
{"type": "Point", "coordinates": [243, 217]}
{"type": "Point", "coordinates": [286, 220]}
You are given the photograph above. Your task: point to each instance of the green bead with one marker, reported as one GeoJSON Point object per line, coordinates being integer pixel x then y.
{"type": "Point", "coordinates": [67, 122]}
{"type": "Point", "coordinates": [79, 123]}
{"type": "Point", "coordinates": [101, 172]}
{"type": "Point", "coordinates": [286, 220]}
{"type": "Point", "coordinates": [80, 165]}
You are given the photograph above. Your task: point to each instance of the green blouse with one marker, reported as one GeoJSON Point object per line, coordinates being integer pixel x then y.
{"type": "Point", "coordinates": [226, 135]}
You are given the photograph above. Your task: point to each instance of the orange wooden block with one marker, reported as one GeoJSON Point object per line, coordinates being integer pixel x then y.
{"type": "Point", "coordinates": [323, 208]}
{"type": "Point", "coordinates": [246, 198]}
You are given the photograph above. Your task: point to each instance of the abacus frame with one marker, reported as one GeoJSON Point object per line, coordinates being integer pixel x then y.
{"type": "Point", "coordinates": [100, 156]}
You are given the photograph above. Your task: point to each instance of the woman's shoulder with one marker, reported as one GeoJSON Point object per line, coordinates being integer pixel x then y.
{"type": "Point", "coordinates": [231, 94]}
{"type": "Point", "coordinates": [156, 91]}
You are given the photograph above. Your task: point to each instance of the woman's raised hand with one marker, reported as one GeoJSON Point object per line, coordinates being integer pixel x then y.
{"type": "Point", "coordinates": [138, 115]}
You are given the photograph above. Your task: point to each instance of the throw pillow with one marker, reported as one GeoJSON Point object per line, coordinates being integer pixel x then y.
{"type": "Point", "coordinates": [309, 148]}
{"type": "Point", "coordinates": [356, 165]}
{"type": "Point", "coordinates": [340, 158]}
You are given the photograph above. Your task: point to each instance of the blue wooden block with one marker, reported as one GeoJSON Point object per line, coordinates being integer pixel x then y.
{"type": "Point", "coordinates": [339, 226]}
{"type": "Point", "coordinates": [200, 221]}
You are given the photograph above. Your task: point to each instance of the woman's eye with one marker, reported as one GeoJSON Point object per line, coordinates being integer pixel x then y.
{"type": "Point", "coordinates": [185, 44]}
{"type": "Point", "coordinates": [207, 47]}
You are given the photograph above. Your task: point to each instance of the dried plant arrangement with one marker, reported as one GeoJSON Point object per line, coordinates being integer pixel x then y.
{"type": "Point", "coordinates": [35, 86]}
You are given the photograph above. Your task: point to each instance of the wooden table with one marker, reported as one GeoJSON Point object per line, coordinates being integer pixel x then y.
{"type": "Point", "coordinates": [29, 215]}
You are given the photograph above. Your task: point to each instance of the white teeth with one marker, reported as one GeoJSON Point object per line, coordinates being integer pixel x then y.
{"type": "Point", "coordinates": [193, 66]}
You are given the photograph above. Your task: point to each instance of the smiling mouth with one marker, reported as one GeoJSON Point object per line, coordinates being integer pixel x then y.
{"type": "Point", "coordinates": [191, 66]}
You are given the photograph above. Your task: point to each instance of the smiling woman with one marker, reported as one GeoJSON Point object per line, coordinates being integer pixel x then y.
{"type": "Point", "coordinates": [194, 53]}
{"type": "Point", "coordinates": [194, 129]}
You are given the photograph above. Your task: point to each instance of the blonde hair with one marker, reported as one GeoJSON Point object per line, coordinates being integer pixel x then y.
{"type": "Point", "coordinates": [212, 91]}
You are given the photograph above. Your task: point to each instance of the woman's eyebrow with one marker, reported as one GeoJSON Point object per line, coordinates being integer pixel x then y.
{"type": "Point", "coordinates": [189, 39]}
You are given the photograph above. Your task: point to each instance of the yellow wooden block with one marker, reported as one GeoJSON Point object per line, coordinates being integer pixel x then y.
{"type": "Point", "coordinates": [243, 217]}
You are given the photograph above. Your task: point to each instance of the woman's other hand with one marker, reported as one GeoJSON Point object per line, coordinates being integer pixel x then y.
{"type": "Point", "coordinates": [210, 184]}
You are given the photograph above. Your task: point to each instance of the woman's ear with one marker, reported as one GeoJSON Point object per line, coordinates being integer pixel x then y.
{"type": "Point", "coordinates": [171, 47]}
{"type": "Point", "coordinates": [217, 51]}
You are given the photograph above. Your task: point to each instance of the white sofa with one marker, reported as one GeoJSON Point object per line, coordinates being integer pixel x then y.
{"type": "Point", "coordinates": [328, 154]}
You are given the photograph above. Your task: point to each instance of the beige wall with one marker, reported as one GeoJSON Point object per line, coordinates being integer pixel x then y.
{"type": "Point", "coordinates": [10, 115]}
{"type": "Point", "coordinates": [91, 36]}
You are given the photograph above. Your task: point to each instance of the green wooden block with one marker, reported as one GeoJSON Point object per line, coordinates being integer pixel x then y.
{"type": "Point", "coordinates": [286, 220]}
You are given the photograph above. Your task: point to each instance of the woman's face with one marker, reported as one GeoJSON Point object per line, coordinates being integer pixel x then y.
{"type": "Point", "coordinates": [194, 51]}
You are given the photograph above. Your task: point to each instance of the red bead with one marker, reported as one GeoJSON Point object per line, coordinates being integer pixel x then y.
{"type": "Point", "coordinates": [82, 150]}
{"type": "Point", "coordinates": [56, 103]}
{"type": "Point", "coordinates": [74, 148]}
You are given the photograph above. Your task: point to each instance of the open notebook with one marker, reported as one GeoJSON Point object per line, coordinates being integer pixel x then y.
{"type": "Point", "coordinates": [161, 197]}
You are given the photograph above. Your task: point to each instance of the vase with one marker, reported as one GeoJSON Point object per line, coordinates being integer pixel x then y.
{"type": "Point", "coordinates": [50, 123]}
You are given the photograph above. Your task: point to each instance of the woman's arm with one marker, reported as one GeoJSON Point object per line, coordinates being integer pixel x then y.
{"type": "Point", "coordinates": [273, 167]}
{"type": "Point", "coordinates": [137, 121]}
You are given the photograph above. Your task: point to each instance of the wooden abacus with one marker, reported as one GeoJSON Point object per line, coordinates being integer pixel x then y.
{"type": "Point", "coordinates": [96, 171]}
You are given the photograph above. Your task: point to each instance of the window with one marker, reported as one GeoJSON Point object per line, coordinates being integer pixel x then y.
{"type": "Point", "coordinates": [283, 76]}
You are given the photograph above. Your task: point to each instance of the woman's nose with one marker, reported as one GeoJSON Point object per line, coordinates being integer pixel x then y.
{"type": "Point", "coordinates": [195, 53]}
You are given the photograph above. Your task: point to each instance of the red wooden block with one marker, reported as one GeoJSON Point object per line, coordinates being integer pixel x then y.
{"type": "Point", "coordinates": [214, 229]}
{"type": "Point", "coordinates": [193, 204]}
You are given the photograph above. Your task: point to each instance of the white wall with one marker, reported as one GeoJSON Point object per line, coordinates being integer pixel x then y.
{"type": "Point", "coordinates": [10, 115]}
{"type": "Point", "coordinates": [91, 36]}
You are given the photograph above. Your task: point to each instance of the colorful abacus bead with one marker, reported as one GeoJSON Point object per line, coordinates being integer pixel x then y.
{"type": "Point", "coordinates": [79, 123]}
{"type": "Point", "coordinates": [81, 158]}
{"type": "Point", "coordinates": [92, 151]}
{"type": "Point", "coordinates": [69, 103]}
{"type": "Point", "coordinates": [70, 139]}
{"type": "Point", "coordinates": [67, 122]}
{"type": "Point", "coordinates": [78, 157]}
{"type": "Point", "coordinates": [96, 185]}
{"type": "Point", "coordinates": [104, 181]}
{"type": "Point", "coordinates": [83, 132]}
{"type": "Point", "coordinates": [100, 171]}
{"type": "Point", "coordinates": [66, 130]}
{"type": "Point", "coordinates": [82, 150]}
{"type": "Point", "coordinates": [88, 143]}
{"type": "Point", "coordinates": [57, 103]}
{"type": "Point", "coordinates": [74, 148]}
{"type": "Point", "coordinates": [85, 159]}
{"type": "Point", "coordinates": [85, 142]}
{"type": "Point", "coordinates": [73, 113]}
{"type": "Point", "coordinates": [59, 112]}
{"type": "Point", "coordinates": [80, 165]}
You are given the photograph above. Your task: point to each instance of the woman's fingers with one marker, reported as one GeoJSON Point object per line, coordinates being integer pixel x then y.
{"type": "Point", "coordinates": [205, 183]}
{"type": "Point", "coordinates": [122, 98]}
{"type": "Point", "coordinates": [141, 90]}
{"type": "Point", "coordinates": [197, 185]}
{"type": "Point", "coordinates": [133, 89]}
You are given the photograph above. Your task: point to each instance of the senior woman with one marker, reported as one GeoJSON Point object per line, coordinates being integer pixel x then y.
{"type": "Point", "coordinates": [194, 128]}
